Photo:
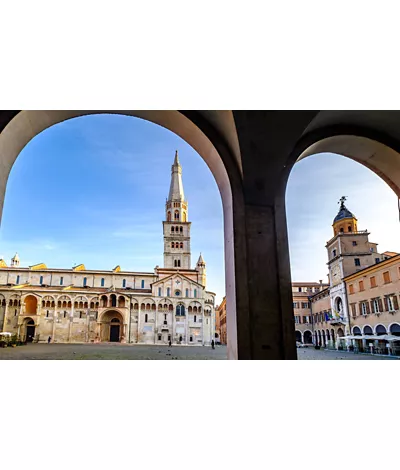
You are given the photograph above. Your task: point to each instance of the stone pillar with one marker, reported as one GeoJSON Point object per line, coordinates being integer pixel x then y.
{"type": "Point", "coordinates": [55, 316]}
{"type": "Point", "coordinates": [71, 320]}
{"type": "Point", "coordinates": [138, 321]}
{"type": "Point", "coordinates": [155, 325]}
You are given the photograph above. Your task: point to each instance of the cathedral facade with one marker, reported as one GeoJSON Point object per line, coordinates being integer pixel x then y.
{"type": "Point", "coordinates": [78, 305]}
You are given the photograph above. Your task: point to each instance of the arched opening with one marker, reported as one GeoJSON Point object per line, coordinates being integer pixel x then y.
{"type": "Point", "coordinates": [112, 327]}
{"type": "Point", "coordinates": [307, 337]}
{"type": "Point", "coordinates": [30, 305]}
{"type": "Point", "coordinates": [299, 339]}
{"type": "Point", "coordinates": [357, 331]}
{"type": "Point", "coordinates": [395, 329]}
{"type": "Point", "coordinates": [367, 330]}
{"type": "Point", "coordinates": [30, 330]}
{"type": "Point", "coordinates": [380, 330]}
{"type": "Point", "coordinates": [121, 302]}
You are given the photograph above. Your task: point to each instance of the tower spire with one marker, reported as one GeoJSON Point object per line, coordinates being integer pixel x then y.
{"type": "Point", "coordinates": [176, 188]}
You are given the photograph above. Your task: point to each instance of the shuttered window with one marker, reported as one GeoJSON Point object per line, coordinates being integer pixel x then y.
{"type": "Point", "coordinates": [373, 281]}
{"type": "Point", "coordinates": [361, 285]}
{"type": "Point", "coordinates": [351, 289]}
{"type": "Point", "coordinates": [386, 277]}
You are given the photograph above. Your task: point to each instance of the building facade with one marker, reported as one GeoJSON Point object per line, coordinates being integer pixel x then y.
{"type": "Point", "coordinates": [80, 305]}
{"type": "Point", "coordinates": [220, 315]}
{"type": "Point", "coordinates": [362, 297]}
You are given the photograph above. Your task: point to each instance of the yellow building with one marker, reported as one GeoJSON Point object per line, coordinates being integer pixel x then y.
{"type": "Point", "coordinates": [220, 321]}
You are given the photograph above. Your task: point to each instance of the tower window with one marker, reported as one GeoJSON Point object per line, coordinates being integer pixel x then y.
{"type": "Point", "coordinates": [172, 245]}
{"type": "Point", "coordinates": [333, 253]}
{"type": "Point", "coordinates": [17, 281]}
{"type": "Point", "coordinates": [181, 245]}
{"type": "Point", "coordinates": [176, 215]}
{"type": "Point", "coordinates": [124, 283]}
{"type": "Point", "coordinates": [41, 280]}
{"type": "Point", "coordinates": [84, 281]}
{"type": "Point", "coordinates": [349, 228]}
{"type": "Point", "coordinates": [61, 281]}
{"type": "Point", "coordinates": [169, 216]}
{"type": "Point", "coordinates": [102, 282]}
{"type": "Point", "coordinates": [195, 318]}
{"type": "Point", "coordinates": [172, 229]}
{"type": "Point", "coordinates": [181, 229]}
{"type": "Point", "coordinates": [377, 260]}
{"type": "Point", "coordinates": [177, 263]}
{"type": "Point", "coordinates": [357, 262]}
{"type": "Point", "coordinates": [142, 284]}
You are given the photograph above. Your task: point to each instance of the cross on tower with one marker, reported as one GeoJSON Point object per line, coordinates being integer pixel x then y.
{"type": "Point", "coordinates": [341, 201]}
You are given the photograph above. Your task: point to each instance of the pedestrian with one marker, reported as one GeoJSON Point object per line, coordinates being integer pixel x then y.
{"type": "Point", "coordinates": [169, 343]}
{"type": "Point", "coordinates": [212, 344]}
{"type": "Point", "coordinates": [48, 340]}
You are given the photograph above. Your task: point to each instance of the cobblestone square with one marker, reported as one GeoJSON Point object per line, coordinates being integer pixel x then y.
{"type": "Point", "coordinates": [110, 351]}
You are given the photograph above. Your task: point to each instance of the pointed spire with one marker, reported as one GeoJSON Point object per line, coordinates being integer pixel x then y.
{"type": "Point", "coordinates": [201, 260]}
{"type": "Point", "coordinates": [176, 187]}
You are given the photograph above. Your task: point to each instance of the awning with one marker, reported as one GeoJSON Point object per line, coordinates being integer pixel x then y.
{"type": "Point", "coordinates": [372, 337]}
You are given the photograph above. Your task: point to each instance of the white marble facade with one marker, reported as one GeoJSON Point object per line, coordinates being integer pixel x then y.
{"type": "Point", "coordinates": [80, 305]}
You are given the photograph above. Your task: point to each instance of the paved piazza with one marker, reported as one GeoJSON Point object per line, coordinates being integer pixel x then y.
{"type": "Point", "coordinates": [139, 352]}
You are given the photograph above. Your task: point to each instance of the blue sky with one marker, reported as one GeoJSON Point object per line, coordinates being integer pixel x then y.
{"type": "Point", "coordinates": [92, 190]}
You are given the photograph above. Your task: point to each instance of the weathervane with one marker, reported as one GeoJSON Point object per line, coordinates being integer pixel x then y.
{"type": "Point", "coordinates": [341, 201]}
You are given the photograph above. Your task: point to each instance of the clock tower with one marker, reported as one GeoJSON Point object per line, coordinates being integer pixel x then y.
{"type": "Point", "coordinates": [349, 251]}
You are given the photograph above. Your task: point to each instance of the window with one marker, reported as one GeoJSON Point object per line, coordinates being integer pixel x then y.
{"type": "Point", "coordinates": [142, 283]}
{"type": "Point", "coordinates": [17, 281]}
{"type": "Point", "coordinates": [159, 292]}
{"type": "Point", "coordinates": [177, 293]}
{"type": "Point", "coordinates": [41, 280]}
{"type": "Point", "coordinates": [296, 319]}
{"type": "Point", "coordinates": [124, 283]}
{"type": "Point", "coordinates": [333, 253]}
{"type": "Point", "coordinates": [377, 260]}
{"type": "Point", "coordinates": [375, 306]}
{"type": "Point", "coordinates": [47, 314]}
{"type": "Point", "coordinates": [353, 310]}
{"type": "Point", "coordinates": [357, 261]}
{"type": "Point", "coordinates": [305, 319]}
{"type": "Point", "coordinates": [159, 337]}
{"type": "Point", "coordinates": [15, 312]}
{"type": "Point", "coordinates": [373, 281]}
{"type": "Point", "coordinates": [177, 263]}
{"type": "Point", "coordinates": [363, 308]}
{"type": "Point", "coordinates": [176, 215]}
{"type": "Point", "coordinates": [195, 293]}
{"type": "Point", "coordinates": [102, 282]}
{"type": "Point", "coordinates": [80, 314]}
{"type": "Point", "coordinates": [187, 292]}
{"type": "Point", "coordinates": [354, 243]}
{"type": "Point", "coordinates": [295, 305]}
{"type": "Point", "coordinates": [61, 281]}
{"type": "Point", "coordinates": [349, 230]}
{"type": "Point", "coordinates": [84, 281]}
{"type": "Point", "coordinates": [168, 291]}
{"type": "Point", "coordinates": [65, 314]}
{"type": "Point", "coordinates": [351, 289]}
{"type": "Point", "coordinates": [195, 318]}
{"type": "Point", "coordinates": [361, 285]}
{"type": "Point", "coordinates": [181, 229]}
{"type": "Point", "coordinates": [173, 245]}
{"type": "Point", "coordinates": [146, 318]}
{"type": "Point", "coordinates": [390, 304]}
{"type": "Point", "coordinates": [386, 277]}
{"type": "Point", "coordinates": [299, 289]}
{"type": "Point", "coordinates": [172, 229]}
{"type": "Point", "coordinates": [191, 338]}
{"type": "Point", "coordinates": [305, 305]}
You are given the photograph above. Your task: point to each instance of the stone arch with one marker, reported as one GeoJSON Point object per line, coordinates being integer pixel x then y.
{"type": "Point", "coordinates": [121, 301]}
{"type": "Point", "coordinates": [307, 336]}
{"type": "Point", "coordinates": [112, 328]}
{"type": "Point", "coordinates": [380, 330]}
{"type": "Point", "coordinates": [394, 329]}
{"type": "Point", "coordinates": [299, 337]}
{"type": "Point", "coordinates": [357, 331]}
{"type": "Point", "coordinates": [223, 160]}
{"type": "Point", "coordinates": [31, 304]}
{"type": "Point", "coordinates": [367, 330]}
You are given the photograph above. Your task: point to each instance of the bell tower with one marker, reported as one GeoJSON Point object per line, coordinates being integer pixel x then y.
{"type": "Point", "coordinates": [176, 226]}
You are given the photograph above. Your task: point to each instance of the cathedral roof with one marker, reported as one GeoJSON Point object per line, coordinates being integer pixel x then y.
{"type": "Point", "coordinates": [200, 260]}
{"type": "Point", "coordinates": [343, 213]}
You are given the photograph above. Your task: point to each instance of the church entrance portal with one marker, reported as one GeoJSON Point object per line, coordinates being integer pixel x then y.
{"type": "Point", "coordinates": [30, 331]}
{"type": "Point", "coordinates": [115, 329]}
